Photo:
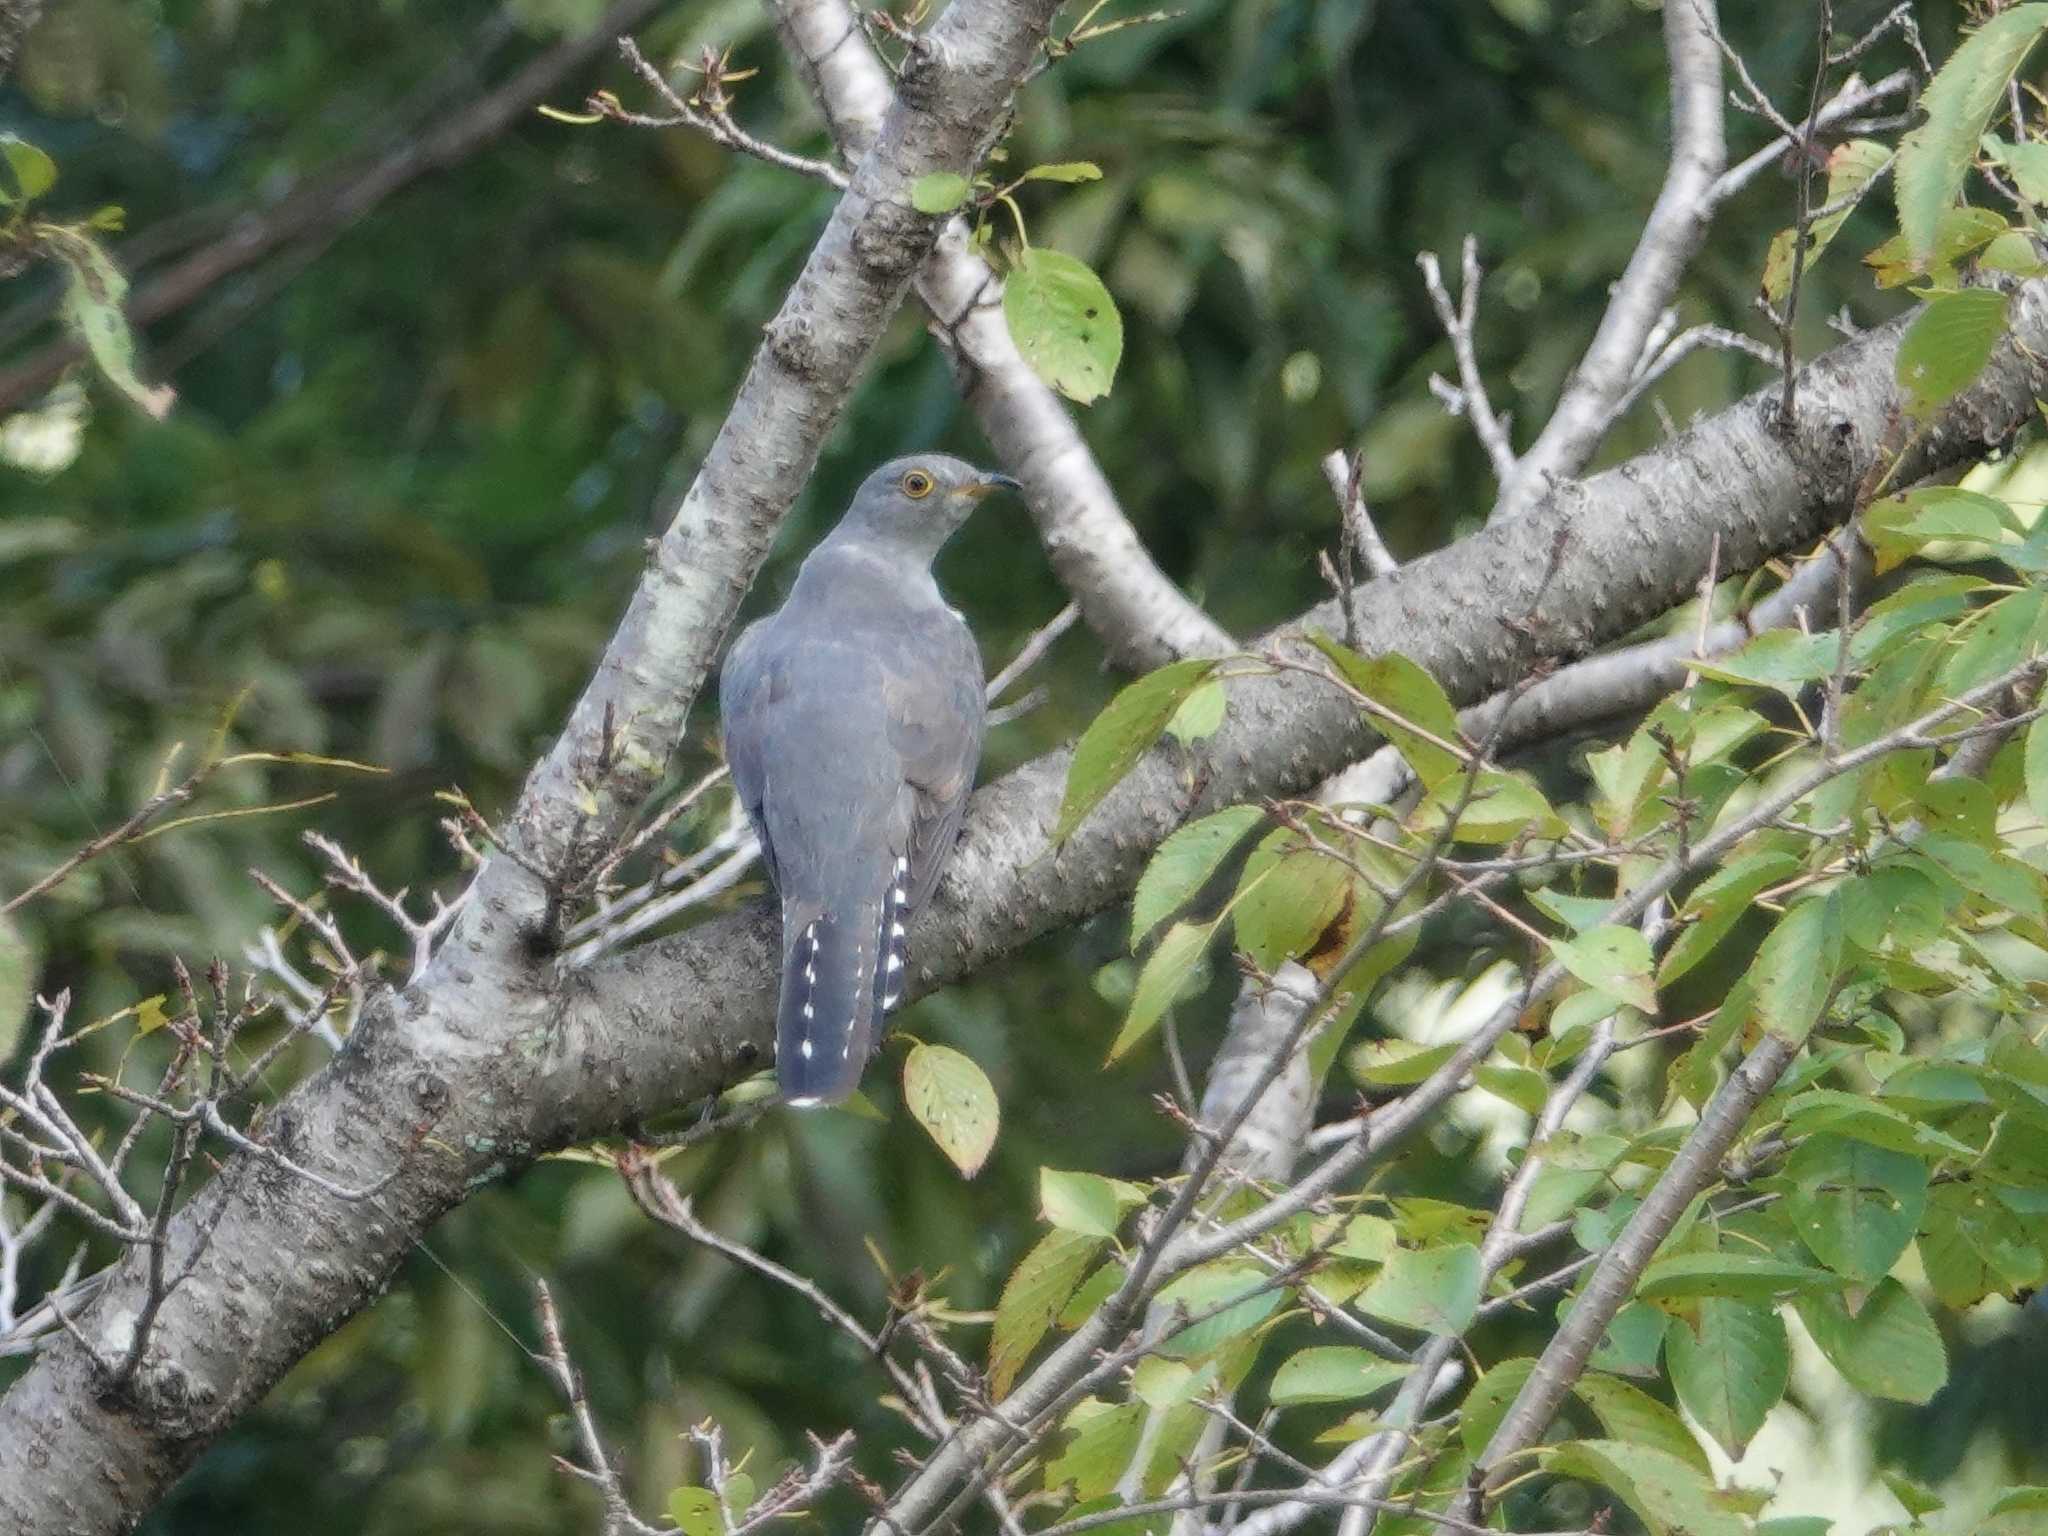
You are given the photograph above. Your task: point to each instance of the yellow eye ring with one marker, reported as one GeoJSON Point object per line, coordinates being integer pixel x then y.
{"type": "Point", "coordinates": [917, 485]}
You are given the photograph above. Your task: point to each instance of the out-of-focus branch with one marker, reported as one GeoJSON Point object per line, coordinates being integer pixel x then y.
{"type": "Point", "coordinates": [1677, 223]}
{"type": "Point", "coordinates": [333, 201]}
{"type": "Point", "coordinates": [1142, 619]}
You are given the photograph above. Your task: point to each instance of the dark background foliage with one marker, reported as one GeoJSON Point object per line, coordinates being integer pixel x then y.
{"type": "Point", "coordinates": [402, 497]}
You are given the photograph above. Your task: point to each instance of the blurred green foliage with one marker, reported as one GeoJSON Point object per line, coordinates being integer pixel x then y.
{"type": "Point", "coordinates": [404, 492]}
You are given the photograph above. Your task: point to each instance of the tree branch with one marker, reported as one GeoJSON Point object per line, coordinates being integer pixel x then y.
{"type": "Point", "coordinates": [492, 1059]}
{"type": "Point", "coordinates": [1142, 619]}
{"type": "Point", "coordinates": [1677, 223]}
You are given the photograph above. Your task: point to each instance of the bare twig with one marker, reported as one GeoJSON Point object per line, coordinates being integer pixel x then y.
{"type": "Point", "coordinates": [1468, 396]}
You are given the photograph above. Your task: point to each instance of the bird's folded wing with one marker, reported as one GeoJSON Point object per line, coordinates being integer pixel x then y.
{"type": "Point", "coordinates": [934, 698]}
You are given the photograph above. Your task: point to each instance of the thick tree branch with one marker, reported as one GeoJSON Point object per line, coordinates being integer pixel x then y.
{"type": "Point", "coordinates": [491, 1059]}
{"type": "Point", "coordinates": [1142, 618]}
{"type": "Point", "coordinates": [1677, 223]}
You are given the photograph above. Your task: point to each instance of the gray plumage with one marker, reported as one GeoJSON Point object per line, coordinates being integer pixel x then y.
{"type": "Point", "coordinates": [853, 722]}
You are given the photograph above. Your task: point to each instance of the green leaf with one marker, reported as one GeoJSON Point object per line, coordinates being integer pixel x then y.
{"type": "Point", "coordinates": [1899, 527]}
{"type": "Point", "coordinates": [2004, 882]}
{"type": "Point", "coordinates": [1895, 902]}
{"type": "Point", "coordinates": [1888, 1348]}
{"type": "Point", "coordinates": [1971, 1245]}
{"type": "Point", "coordinates": [1121, 734]}
{"type": "Point", "coordinates": [1165, 973]}
{"type": "Point", "coordinates": [1205, 1297]}
{"type": "Point", "coordinates": [1784, 659]}
{"type": "Point", "coordinates": [1730, 1366]}
{"type": "Point", "coordinates": [1850, 169]}
{"type": "Point", "coordinates": [695, 1511]}
{"type": "Point", "coordinates": [32, 172]}
{"type": "Point", "coordinates": [1613, 960]}
{"type": "Point", "coordinates": [2036, 767]}
{"type": "Point", "coordinates": [1632, 1340]}
{"type": "Point", "coordinates": [1413, 713]}
{"type": "Point", "coordinates": [1717, 903]}
{"type": "Point", "coordinates": [939, 192]}
{"type": "Point", "coordinates": [17, 986]}
{"type": "Point", "coordinates": [1103, 1437]}
{"type": "Point", "coordinates": [1066, 170]}
{"type": "Point", "coordinates": [1336, 1373]}
{"type": "Point", "coordinates": [1184, 863]}
{"type": "Point", "coordinates": [1396, 1063]}
{"type": "Point", "coordinates": [953, 1100]}
{"type": "Point", "coordinates": [92, 307]}
{"type": "Point", "coordinates": [1079, 1202]}
{"type": "Point", "coordinates": [1288, 897]}
{"type": "Point", "coordinates": [1199, 715]}
{"type": "Point", "coordinates": [1670, 1496]}
{"type": "Point", "coordinates": [1855, 1206]}
{"type": "Point", "coordinates": [1064, 323]}
{"type": "Point", "coordinates": [2018, 1512]}
{"type": "Point", "coordinates": [1032, 1297]}
{"type": "Point", "coordinates": [1740, 1276]}
{"type": "Point", "coordinates": [1489, 1400]}
{"type": "Point", "coordinates": [1960, 100]}
{"type": "Point", "coordinates": [1914, 1498]}
{"type": "Point", "coordinates": [1794, 973]}
{"type": "Point", "coordinates": [1629, 1413]}
{"type": "Point", "coordinates": [1947, 346]}
{"type": "Point", "coordinates": [1433, 1289]}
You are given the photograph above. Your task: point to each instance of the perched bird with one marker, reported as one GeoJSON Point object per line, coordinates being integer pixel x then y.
{"type": "Point", "coordinates": [853, 723]}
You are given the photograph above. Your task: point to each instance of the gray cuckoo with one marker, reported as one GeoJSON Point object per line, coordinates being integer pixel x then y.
{"type": "Point", "coordinates": [853, 721]}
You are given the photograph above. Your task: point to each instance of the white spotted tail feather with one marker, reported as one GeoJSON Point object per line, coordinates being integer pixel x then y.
{"type": "Point", "coordinates": [830, 1016]}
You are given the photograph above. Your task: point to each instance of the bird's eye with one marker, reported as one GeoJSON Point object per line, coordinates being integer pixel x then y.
{"type": "Point", "coordinates": [917, 485]}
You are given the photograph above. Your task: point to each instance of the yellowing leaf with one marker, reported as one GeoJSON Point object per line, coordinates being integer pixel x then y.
{"type": "Point", "coordinates": [1037, 1288]}
{"type": "Point", "coordinates": [952, 1099]}
{"type": "Point", "coordinates": [1064, 323]}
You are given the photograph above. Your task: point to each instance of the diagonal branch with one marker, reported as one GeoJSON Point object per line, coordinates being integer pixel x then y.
{"type": "Point", "coordinates": [1677, 223]}
{"type": "Point", "coordinates": [1142, 619]}
{"type": "Point", "coordinates": [490, 1060]}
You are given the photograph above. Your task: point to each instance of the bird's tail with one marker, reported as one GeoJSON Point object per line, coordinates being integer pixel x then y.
{"type": "Point", "coordinates": [831, 1009]}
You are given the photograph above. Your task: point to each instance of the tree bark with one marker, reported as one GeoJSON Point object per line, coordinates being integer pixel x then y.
{"type": "Point", "coordinates": [494, 1057]}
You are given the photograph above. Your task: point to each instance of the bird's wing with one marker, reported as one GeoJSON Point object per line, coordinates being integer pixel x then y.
{"type": "Point", "coordinates": [748, 688]}
{"type": "Point", "coordinates": [934, 699]}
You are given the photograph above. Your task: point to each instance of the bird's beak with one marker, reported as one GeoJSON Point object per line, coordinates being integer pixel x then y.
{"type": "Point", "coordinates": [977, 489]}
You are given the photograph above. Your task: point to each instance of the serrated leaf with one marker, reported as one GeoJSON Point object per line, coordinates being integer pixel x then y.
{"type": "Point", "coordinates": [939, 192]}
{"type": "Point", "coordinates": [1064, 323]}
{"type": "Point", "coordinates": [1851, 167]}
{"type": "Point", "coordinates": [1740, 1276]}
{"type": "Point", "coordinates": [1032, 1297]}
{"type": "Point", "coordinates": [1960, 101]}
{"type": "Point", "coordinates": [1102, 1438]}
{"type": "Point", "coordinates": [1717, 904]}
{"type": "Point", "coordinates": [1183, 864]}
{"type": "Point", "coordinates": [1794, 973]}
{"type": "Point", "coordinates": [1288, 896]}
{"type": "Point", "coordinates": [1613, 960]}
{"type": "Point", "coordinates": [1854, 1205]}
{"type": "Point", "coordinates": [1336, 1373]}
{"type": "Point", "coordinates": [1629, 1413]}
{"type": "Point", "coordinates": [1433, 1289]}
{"type": "Point", "coordinates": [1079, 1202]}
{"type": "Point", "coordinates": [1784, 659]}
{"type": "Point", "coordinates": [1414, 713]}
{"type": "Point", "coordinates": [1947, 346]}
{"type": "Point", "coordinates": [1729, 1364]}
{"type": "Point", "coordinates": [1124, 732]}
{"type": "Point", "coordinates": [954, 1101]}
{"type": "Point", "coordinates": [1489, 1400]}
{"type": "Point", "coordinates": [1888, 1347]}
{"type": "Point", "coordinates": [1165, 973]}
{"type": "Point", "coordinates": [1668, 1495]}
{"type": "Point", "coordinates": [1221, 1302]}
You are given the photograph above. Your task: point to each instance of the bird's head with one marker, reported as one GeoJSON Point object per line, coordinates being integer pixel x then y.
{"type": "Point", "coordinates": [919, 501]}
